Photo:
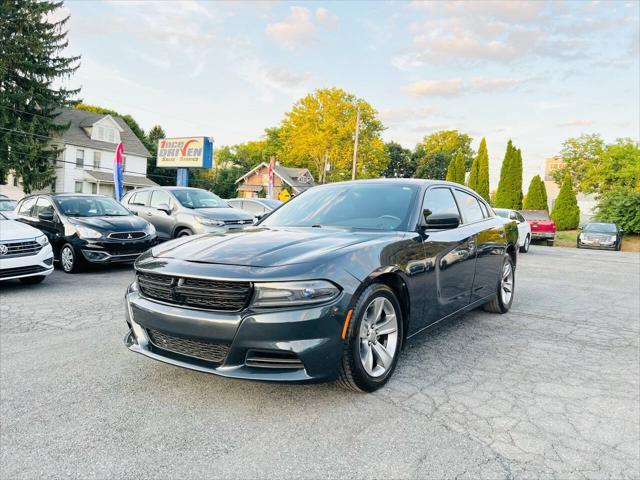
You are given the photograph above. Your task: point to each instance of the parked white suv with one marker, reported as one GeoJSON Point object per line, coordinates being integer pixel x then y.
{"type": "Point", "coordinates": [25, 252]}
{"type": "Point", "coordinates": [524, 229]}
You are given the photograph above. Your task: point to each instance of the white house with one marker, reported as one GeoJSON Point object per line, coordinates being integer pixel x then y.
{"type": "Point", "coordinates": [85, 162]}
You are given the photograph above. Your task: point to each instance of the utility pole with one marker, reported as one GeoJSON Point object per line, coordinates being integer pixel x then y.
{"type": "Point", "coordinates": [355, 145]}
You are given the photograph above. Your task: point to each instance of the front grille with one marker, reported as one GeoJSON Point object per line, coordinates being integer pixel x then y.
{"type": "Point", "coordinates": [238, 222]}
{"type": "Point", "coordinates": [14, 272]}
{"type": "Point", "coordinates": [127, 235]}
{"type": "Point", "coordinates": [272, 359]}
{"type": "Point", "coordinates": [190, 347]}
{"type": "Point", "coordinates": [20, 249]}
{"type": "Point", "coordinates": [192, 292]}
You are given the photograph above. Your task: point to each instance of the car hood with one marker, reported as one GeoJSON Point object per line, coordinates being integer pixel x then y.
{"type": "Point", "coordinates": [268, 247]}
{"type": "Point", "coordinates": [125, 223]}
{"type": "Point", "coordinates": [13, 230]}
{"type": "Point", "coordinates": [223, 213]}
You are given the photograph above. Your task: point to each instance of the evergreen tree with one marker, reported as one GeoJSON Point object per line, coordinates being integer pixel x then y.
{"type": "Point", "coordinates": [30, 65]}
{"type": "Point", "coordinates": [503, 194]}
{"type": "Point", "coordinates": [536, 198]}
{"type": "Point", "coordinates": [456, 171]}
{"type": "Point", "coordinates": [479, 176]}
{"type": "Point", "coordinates": [565, 212]}
{"type": "Point", "coordinates": [516, 183]}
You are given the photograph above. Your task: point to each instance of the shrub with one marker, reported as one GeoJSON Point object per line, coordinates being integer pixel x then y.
{"type": "Point", "coordinates": [622, 207]}
{"type": "Point", "coordinates": [565, 212]}
{"type": "Point", "coordinates": [536, 198]}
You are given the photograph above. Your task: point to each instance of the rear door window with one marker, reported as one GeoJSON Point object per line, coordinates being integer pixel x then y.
{"type": "Point", "coordinates": [140, 198]}
{"type": "Point", "coordinates": [470, 207]}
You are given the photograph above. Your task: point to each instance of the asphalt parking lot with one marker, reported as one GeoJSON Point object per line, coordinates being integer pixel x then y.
{"type": "Point", "coordinates": [550, 390]}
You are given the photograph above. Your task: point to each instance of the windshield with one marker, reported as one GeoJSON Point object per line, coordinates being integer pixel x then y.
{"type": "Point", "coordinates": [534, 214]}
{"type": "Point", "coordinates": [600, 227]}
{"type": "Point", "coordinates": [90, 207]}
{"type": "Point", "coordinates": [7, 205]}
{"type": "Point", "coordinates": [502, 213]}
{"type": "Point", "coordinates": [196, 198]}
{"type": "Point", "coordinates": [368, 206]}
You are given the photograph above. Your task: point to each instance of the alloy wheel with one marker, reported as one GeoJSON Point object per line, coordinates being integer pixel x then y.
{"type": "Point", "coordinates": [378, 339]}
{"type": "Point", "coordinates": [506, 284]}
{"type": "Point", "coordinates": [66, 258]}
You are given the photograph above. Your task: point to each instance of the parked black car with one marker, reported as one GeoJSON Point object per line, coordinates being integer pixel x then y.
{"type": "Point", "coordinates": [328, 286]}
{"type": "Point", "coordinates": [603, 236]}
{"type": "Point", "coordinates": [87, 228]}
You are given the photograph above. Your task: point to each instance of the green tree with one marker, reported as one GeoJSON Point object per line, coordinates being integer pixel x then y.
{"type": "Point", "coordinates": [578, 155]}
{"type": "Point", "coordinates": [436, 151]}
{"type": "Point", "coordinates": [160, 175]}
{"type": "Point", "coordinates": [622, 207]}
{"type": "Point", "coordinates": [516, 182]}
{"type": "Point", "coordinates": [319, 130]}
{"type": "Point", "coordinates": [536, 198]}
{"type": "Point", "coordinates": [503, 197]}
{"type": "Point", "coordinates": [618, 167]}
{"type": "Point", "coordinates": [220, 181]}
{"type": "Point", "coordinates": [401, 164]}
{"type": "Point", "coordinates": [565, 212]}
{"type": "Point", "coordinates": [456, 171]}
{"type": "Point", "coordinates": [479, 175]}
{"type": "Point", "coordinates": [31, 65]}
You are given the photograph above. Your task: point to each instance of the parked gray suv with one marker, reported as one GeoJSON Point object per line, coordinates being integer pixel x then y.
{"type": "Point", "coordinates": [180, 211]}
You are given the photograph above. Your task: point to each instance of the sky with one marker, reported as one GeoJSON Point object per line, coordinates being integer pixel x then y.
{"type": "Point", "coordinates": [534, 72]}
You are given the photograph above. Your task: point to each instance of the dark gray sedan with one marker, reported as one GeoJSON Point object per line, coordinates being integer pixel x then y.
{"type": "Point", "coordinates": [603, 236]}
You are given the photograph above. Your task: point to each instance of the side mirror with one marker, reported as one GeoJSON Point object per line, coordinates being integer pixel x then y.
{"type": "Point", "coordinates": [163, 207]}
{"type": "Point", "coordinates": [443, 221]}
{"type": "Point", "coordinates": [45, 216]}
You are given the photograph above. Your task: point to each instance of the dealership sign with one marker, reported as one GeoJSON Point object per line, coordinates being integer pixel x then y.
{"type": "Point", "coordinates": [187, 152]}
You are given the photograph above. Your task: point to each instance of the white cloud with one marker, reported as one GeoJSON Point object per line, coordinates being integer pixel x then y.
{"type": "Point", "coordinates": [440, 88]}
{"type": "Point", "coordinates": [454, 87]}
{"type": "Point", "coordinates": [576, 122]}
{"type": "Point", "coordinates": [299, 28]}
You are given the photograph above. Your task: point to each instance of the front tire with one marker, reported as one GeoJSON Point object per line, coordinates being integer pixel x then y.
{"type": "Point", "coordinates": [374, 340]}
{"type": "Point", "coordinates": [506, 288]}
{"type": "Point", "coordinates": [69, 259]}
{"type": "Point", "coordinates": [185, 232]}
{"type": "Point", "coordinates": [525, 248]}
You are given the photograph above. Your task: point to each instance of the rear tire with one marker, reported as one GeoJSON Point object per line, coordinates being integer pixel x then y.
{"type": "Point", "coordinates": [32, 280]}
{"type": "Point", "coordinates": [502, 303]}
{"type": "Point", "coordinates": [184, 232]}
{"type": "Point", "coordinates": [525, 248]}
{"type": "Point", "coordinates": [370, 356]}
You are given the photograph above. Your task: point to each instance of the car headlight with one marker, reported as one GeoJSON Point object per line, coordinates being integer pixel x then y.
{"type": "Point", "coordinates": [210, 222]}
{"type": "Point", "coordinates": [151, 230]}
{"type": "Point", "coordinates": [86, 232]}
{"type": "Point", "coordinates": [283, 294]}
{"type": "Point", "coordinates": [581, 236]}
{"type": "Point", "coordinates": [42, 240]}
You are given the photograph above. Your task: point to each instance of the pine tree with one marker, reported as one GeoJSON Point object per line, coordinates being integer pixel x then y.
{"type": "Point", "coordinates": [30, 65]}
{"type": "Point", "coordinates": [536, 198]}
{"type": "Point", "coordinates": [516, 183]}
{"type": "Point", "coordinates": [482, 175]}
{"type": "Point", "coordinates": [472, 183]}
{"type": "Point", "coordinates": [503, 194]}
{"type": "Point", "coordinates": [456, 171]}
{"type": "Point", "coordinates": [565, 212]}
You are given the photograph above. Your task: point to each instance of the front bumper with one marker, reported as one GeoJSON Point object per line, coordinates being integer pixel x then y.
{"type": "Point", "coordinates": [40, 264]}
{"type": "Point", "coordinates": [115, 251]}
{"type": "Point", "coordinates": [311, 335]}
{"type": "Point", "coordinates": [597, 245]}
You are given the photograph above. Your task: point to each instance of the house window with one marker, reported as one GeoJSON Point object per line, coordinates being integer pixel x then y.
{"type": "Point", "coordinates": [94, 188]}
{"type": "Point", "coordinates": [100, 135]}
{"type": "Point", "coordinates": [124, 163]}
{"type": "Point", "coordinates": [96, 160]}
{"type": "Point", "coordinates": [80, 158]}
{"type": "Point", "coordinates": [53, 185]}
{"type": "Point", "coordinates": [78, 188]}
{"type": "Point", "coordinates": [111, 135]}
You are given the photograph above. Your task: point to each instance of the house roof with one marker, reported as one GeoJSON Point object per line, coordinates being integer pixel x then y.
{"type": "Point", "coordinates": [131, 180]}
{"type": "Point", "coordinates": [288, 175]}
{"type": "Point", "coordinates": [76, 135]}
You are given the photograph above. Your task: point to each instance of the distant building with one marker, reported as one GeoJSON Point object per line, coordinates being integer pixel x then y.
{"type": "Point", "coordinates": [587, 203]}
{"type": "Point", "coordinates": [296, 180]}
{"type": "Point", "coordinates": [85, 162]}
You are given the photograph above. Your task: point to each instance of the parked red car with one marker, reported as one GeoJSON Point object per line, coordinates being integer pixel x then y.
{"type": "Point", "coordinates": [542, 227]}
